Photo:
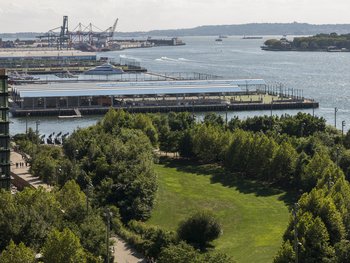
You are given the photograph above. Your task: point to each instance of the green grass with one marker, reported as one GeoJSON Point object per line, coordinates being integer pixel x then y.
{"type": "Point", "coordinates": [254, 217]}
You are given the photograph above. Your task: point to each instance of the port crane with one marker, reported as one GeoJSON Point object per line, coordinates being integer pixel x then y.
{"type": "Point", "coordinates": [85, 37]}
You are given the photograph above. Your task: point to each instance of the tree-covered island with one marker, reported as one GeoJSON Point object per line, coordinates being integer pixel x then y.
{"type": "Point", "coordinates": [320, 42]}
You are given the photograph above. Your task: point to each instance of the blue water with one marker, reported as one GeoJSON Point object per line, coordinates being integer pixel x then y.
{"type": "Point", "coordinates": [322, 76]}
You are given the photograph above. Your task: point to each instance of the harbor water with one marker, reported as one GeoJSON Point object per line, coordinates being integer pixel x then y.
{"type": "Point", "coordinates": [322, 76]}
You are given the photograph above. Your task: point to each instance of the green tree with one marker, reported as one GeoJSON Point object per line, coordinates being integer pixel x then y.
{"type": "Point", "coordinates": [283, 164]}
{"type": "Point", "coordinates": [17, 254]}
{"type": "Point", "coordinates": [286, 254]}
{"type": "Point", "coordinates": [181, 253]}
{"type": "Point", "coordinates": [199, 229]}
{"type": "Point", "coordinates": [73, 201]}
{"type": "Point", "coordinates": [213, 119]}
{"type": "Point", "coordinates": [63, 247]}
{"type": "Point", "coordinates": [342, 251]}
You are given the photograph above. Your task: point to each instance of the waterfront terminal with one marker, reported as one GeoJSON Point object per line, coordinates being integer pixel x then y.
{"type": "Point", "coordinates": [77, 99]}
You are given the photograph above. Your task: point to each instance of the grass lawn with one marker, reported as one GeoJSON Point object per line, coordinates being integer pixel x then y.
{"type": "Point", "coordinates": [253, 216]}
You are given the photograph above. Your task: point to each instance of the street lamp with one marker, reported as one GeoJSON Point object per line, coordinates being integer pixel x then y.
{"type": "Point", "coordinates": [226, 108]}
{"type": "Point", "coordinates": [296, 243]}
{"type": "Point", "coordinates": [37, 123]}
{"type": "Point", "coordinates": [342, 127]}
{"type": "Point", "coordinates": [335, 117]}
{"type": "Point", "coordinates": [28, 114]}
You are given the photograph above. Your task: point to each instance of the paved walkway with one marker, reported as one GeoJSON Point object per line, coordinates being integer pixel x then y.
{"type": "Point", "coordinates": [23, 171]}
{"type": "Point", "coordinates": [123, 253]}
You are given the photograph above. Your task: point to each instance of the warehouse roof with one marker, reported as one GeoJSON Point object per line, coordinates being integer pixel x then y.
{"type": "Point", "coordinates": [134, 88]}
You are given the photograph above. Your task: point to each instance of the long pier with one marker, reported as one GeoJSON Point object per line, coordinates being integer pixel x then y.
{"type": "Point", "coordinates": [246, 106]}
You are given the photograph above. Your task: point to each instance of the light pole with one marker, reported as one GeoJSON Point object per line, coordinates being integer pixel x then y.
{"type": "Point", "coordinates": [226, 108]}
{"type": "Point", "coordinates": [108, 214]}
{"type": "Point", "coordinates": [37, 123]}
{"type": "Point", "coordinates": [28, 114]}
{"type": "Point", "coordinates": [335, 117]}
{"type": "Point", "coordinates": [296, 242]}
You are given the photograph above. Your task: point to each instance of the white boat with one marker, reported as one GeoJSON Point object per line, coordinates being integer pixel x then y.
{"type": "Point", "coordinates": [105, 69]}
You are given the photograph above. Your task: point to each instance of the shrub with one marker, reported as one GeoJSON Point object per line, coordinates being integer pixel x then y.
{"type": "Point", "coordinates": [199, 229]}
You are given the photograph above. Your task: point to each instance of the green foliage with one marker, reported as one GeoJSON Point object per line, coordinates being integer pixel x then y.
{"type": "Point", "coordinates": [210, 142]}
{"type": "Point", "coordinates": [119, 165]}
{"type": "Point", "coordinates": [313, 171]}
{"type": "Point", "coordinates": [213, 119]}
{"type": "Point", "coordinates": [181, 253]}
{"type": "Point", "coordinates": [342, 251]}
{"type": "Point", "coordinates": [284, 163]}
{"type": "Point", "coordinates": [17, 254]}
{"type": "Point", "coordinates": [154, 238]}
{"type": "Point", "coordinates": [184, 253]}
{"type": "Point", "coordinates": [323, 207]}
{"type": "Point", "coordinates": [92, 234]}
{"type": "Point", "coordinates": [63, 247]}
{"type": "Point", "coordinates": [286, 254]}
{"type": "Point", "coordinates": [199, 229]}
{"type": "Point", "coordinates": [45, 164]}
{"type": "Point", "coordinates": [28, 216]}
{"type": "Point", "coordinates": [73, 201]}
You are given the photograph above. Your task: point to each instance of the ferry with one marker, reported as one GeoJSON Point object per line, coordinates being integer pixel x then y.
{"type": "Point", "coordinates": [105, 69]}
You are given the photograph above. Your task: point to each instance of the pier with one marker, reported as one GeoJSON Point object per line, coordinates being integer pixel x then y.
{"type": "Point", "coordinates": [90, 98]}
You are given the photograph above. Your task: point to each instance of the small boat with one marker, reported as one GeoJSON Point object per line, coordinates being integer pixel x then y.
{"type": "Point", "coordinates": [251, 37]}
{"type": "Point", "coordinates": [66, 74]}
{"type": "Point", "coordinates": [105, 69]}
{"type": "Point", "coordinates": [218, 40]}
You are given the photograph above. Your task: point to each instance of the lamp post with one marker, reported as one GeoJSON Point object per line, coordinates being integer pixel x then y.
{"type": "Point", "coordinates": [335, 117]}
{"type": "Point", "coordinates": [37, 123]}
{"type": "Point", "coordinates": [226, 108]}
{"type": "Point", "coordinates": [108, 214]}
{"type": "Point", "coordinates": [296, 242]}
{"type": "Point", "coordinates": [271, 115]}
{"type": "Point", "coordinates": [28, 114]}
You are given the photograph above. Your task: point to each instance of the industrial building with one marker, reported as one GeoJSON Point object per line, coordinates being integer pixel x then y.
{"type": "Point", "coordinates": [4, 133]}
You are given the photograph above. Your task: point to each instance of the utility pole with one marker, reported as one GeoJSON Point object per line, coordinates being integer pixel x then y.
{"type": "Point", "coordinates": [335, 117]}
{"type": "Point", "coordinates": [296, 242]}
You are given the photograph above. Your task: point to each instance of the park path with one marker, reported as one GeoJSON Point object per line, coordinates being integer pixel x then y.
{"type": "Point", "coordinates": [21, 175]}
{"type": "Point", "coordinates": [123, 253]}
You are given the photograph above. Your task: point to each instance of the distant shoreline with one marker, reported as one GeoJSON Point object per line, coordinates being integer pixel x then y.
{"type": "Point", "coordinates": [253, 29]}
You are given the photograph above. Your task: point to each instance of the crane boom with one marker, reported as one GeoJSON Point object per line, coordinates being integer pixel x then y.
{"type": "Point", "coordinates": [113, 28]}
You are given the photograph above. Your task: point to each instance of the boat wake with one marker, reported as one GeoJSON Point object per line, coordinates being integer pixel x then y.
{"type": "Point", "coordinates": [166, 59]}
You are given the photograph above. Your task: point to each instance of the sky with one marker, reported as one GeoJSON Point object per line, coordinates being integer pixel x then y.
{"type": "Point", "coordinates": [145, 15]}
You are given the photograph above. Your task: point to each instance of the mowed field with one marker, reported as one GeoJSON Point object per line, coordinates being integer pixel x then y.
{"type": "Point", "coordinates": [253, 216]}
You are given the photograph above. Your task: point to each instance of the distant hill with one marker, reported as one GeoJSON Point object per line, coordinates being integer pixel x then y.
{"type": "Point", "coordinates": [243, 29]}
{"type": "Point", "coordinates": [249, 29]}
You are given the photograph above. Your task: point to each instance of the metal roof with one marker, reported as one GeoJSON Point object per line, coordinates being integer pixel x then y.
{"type": "Point", "coordinates": [44, 53]}
{"type": "Point", "coordinates": [133, 88]}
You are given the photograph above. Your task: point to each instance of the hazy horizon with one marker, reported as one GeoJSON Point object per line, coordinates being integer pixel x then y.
{"type": "Point", "coordinates": [146, 15]}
